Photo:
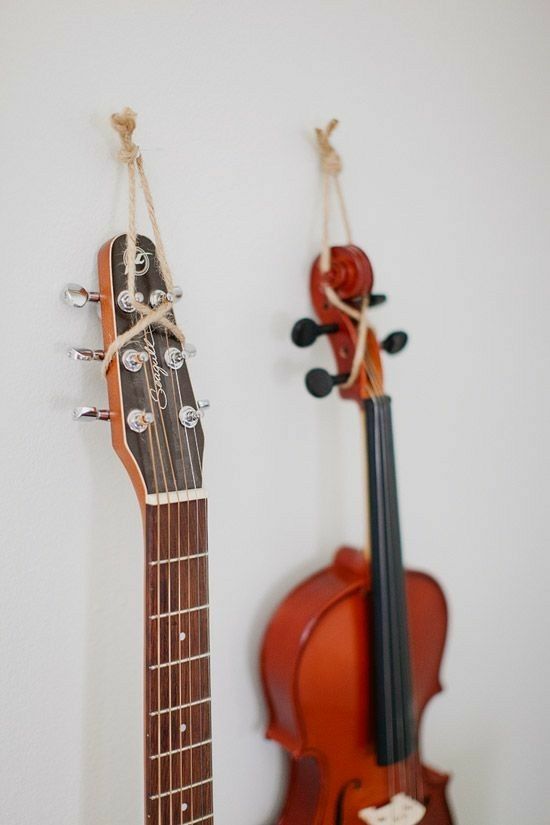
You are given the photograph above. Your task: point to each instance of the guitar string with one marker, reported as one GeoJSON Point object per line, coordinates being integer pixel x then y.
{"type": "Point", "coordinates": [206, 615]}
{"type": "Point", "coordinates": [158, 542]}
{"type": "Point", "coordinates": [154, 428]}
{"type": "Point", "coordinates": [149, 629]}
{"type": "Point", "coordinates": [205, 611]}
{"type": "Point", "coordinates": [170, 703]}
{"type": "Point", "coordinates": [170, 604]}
{"type": "Point", "coordinates": [169, 597]}
{"type": "Point", "coordinates": [174, 383]}
{"type": "Point", "coordinates": [198, 613]}
{"type": "Point", "coordinates": [125, 123]}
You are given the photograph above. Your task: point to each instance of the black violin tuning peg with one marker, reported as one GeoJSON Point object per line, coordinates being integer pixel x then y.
{"type": "Point", "coordinates": [320, 383]}
{"type": "Point", "coordinates": [395, 342]}
{"type": "Point", "coordinates": [306, 331]}
{"type": "Point", "coordinates": [376, 300]}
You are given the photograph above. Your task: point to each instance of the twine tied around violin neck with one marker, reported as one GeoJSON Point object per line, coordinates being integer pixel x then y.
{"type": "Point", "coordinates": [331, 168]}
{"type": "Point", "coordinates": [125, 123]}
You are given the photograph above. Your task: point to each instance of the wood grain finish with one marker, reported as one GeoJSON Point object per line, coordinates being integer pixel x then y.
{"type": "Point", "coordinates": [315, 668]}
{"type": "Point", "coordinates": [178, 750]}
{"type": "Point", "coordinates": [169, 456]}
{"type": "Point", "coordinates": [165, 459]}
{"type": "Point", "coordinates": [352, 656]}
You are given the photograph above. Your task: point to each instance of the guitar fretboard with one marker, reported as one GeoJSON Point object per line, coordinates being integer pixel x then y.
{"type": "Point", "coordinates": [178, 750]}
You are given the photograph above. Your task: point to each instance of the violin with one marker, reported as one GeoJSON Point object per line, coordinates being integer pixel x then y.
{"type": "Point", "coordinates": [352, 656]}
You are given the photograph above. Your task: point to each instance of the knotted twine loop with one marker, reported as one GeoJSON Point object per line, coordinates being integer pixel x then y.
{"type": "Point", "coordinates": [125, 123]}
{"type": "Point", "coordinates": [331, 167]}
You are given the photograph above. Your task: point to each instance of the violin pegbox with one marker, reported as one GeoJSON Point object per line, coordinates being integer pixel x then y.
{"type": "Point", "coordinates": [338, 295]}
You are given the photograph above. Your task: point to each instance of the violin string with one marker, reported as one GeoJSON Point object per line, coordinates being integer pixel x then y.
{"type": "Point", "coordinates": [331, 165]}
{"type": "Point", "coordinates": [392, 771]}
{"type": "Point", "coordinates": [396, 619]}
{"type": "Point", "coordinates": [414, 782]}
{"type": "Point", "coordinates": [382, 573]}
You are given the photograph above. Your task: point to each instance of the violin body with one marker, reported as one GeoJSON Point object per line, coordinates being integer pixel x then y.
{"type": "Point", "coordinates": [317, 668]}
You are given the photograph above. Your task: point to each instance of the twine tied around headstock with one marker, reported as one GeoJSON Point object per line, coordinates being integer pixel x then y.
{"type": "Point", "coordinates": [331, 167]}
{"type": "Point", "coordinates": [125, 123]}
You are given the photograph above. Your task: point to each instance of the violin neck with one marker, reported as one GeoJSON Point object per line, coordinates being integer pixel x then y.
{"type": "Point", "coordinates": [178, 753]}
{"type": "Point", "coordinates": [395, 737]}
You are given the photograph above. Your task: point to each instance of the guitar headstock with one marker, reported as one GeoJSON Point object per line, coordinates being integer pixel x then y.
{"type": "Point", "coordinates": [339, 296]}
{"type": "Point", "coordinates": [155, 418]}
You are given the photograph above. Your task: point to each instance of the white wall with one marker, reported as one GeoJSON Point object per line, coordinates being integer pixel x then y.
{"type": "Point", "coordinates": [446, 141]}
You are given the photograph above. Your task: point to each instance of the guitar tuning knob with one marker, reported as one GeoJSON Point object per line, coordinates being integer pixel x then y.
{"type": "Point", "coordinates": [90, 414]}
{"type": "Point", "coordinates": [86, 354]}
{"type": "Point", "coordinates": [306, 331]}
{"type": "Point", "coordinates": [395, 342]}
{"type": "Point", "coordinates": [377, 299]}
{"type": "Point", "coordinates": [320, 383]}
{"type": "Point", "coordinates": [77, 296]}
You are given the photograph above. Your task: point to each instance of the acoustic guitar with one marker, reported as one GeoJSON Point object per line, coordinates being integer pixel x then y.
{"type": "Point", "coordinates": [157, 432]}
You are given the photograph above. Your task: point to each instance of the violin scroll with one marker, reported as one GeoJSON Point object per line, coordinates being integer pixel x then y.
{"type": "Point", "coordinates": [339, 295]}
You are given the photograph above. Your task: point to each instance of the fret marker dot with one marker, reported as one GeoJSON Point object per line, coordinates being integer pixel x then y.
{"type": "Point", "coordinates": [183, 728]}
{"type": "Point", "coordinates": [184, 806]}
{"type": "Point", "coordinates": [182, 636]}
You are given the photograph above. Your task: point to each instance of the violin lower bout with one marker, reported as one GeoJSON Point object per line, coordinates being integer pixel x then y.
{"type": "Point", "coordinates": [317, 673]}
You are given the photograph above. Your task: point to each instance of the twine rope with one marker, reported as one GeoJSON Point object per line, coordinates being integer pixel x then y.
{"type": "Point", "coordinates": [331, 167]}
{"type": "Point", "coordinates": [125, 123]}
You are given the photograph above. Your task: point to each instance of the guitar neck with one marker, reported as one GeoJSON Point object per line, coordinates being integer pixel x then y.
{"type": "Point", "coordinates": [178, 751]}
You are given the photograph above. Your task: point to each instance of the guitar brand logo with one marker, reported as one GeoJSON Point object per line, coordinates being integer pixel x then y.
{"type": "Point", "coordinates": [157, 392]}
{"type": "Point", "coordinates": [142, 261]}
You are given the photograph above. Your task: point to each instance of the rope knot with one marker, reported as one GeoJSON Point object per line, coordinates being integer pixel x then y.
{"type": "Point", "coordinates": [125, 123]}
{"type": "Point", "coordinates": [331, 161]}
{"type": "Point", "coordinates": [128, 154]}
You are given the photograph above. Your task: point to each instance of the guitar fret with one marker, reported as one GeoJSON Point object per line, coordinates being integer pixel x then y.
{"type": "Point", "coordinates": [180, 707]}
{"type": "Point", "coordinates": [181, 790]}
{"type": "Point", "coordinates": [179, 612]}
{"type": "Point", "coordinates": [181, 750]}
{"type": "Point", "coordinates": [179, 558]}
{"type": "Point", "coordinates": [180, 661]}
{"type": "Point", "coordinates": [178, 704]}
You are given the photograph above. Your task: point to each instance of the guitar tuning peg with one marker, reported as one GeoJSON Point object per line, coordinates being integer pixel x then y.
{"type": "Point", "coordinates": [306, 331]}
{"type": "Point", "coordinates": [320, 383]}
{"type": "Point", "coordinates": [90, 414]}
{"type": "Point", "coordinates": [77, 296]}
{"type": "Point", "coordinates": [86, 354]}
{"type": "Point", "coordinates": [395, 342]}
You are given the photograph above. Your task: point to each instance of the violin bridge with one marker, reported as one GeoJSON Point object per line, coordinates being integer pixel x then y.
{"type": "Point", "coordinates": [403, 810]}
